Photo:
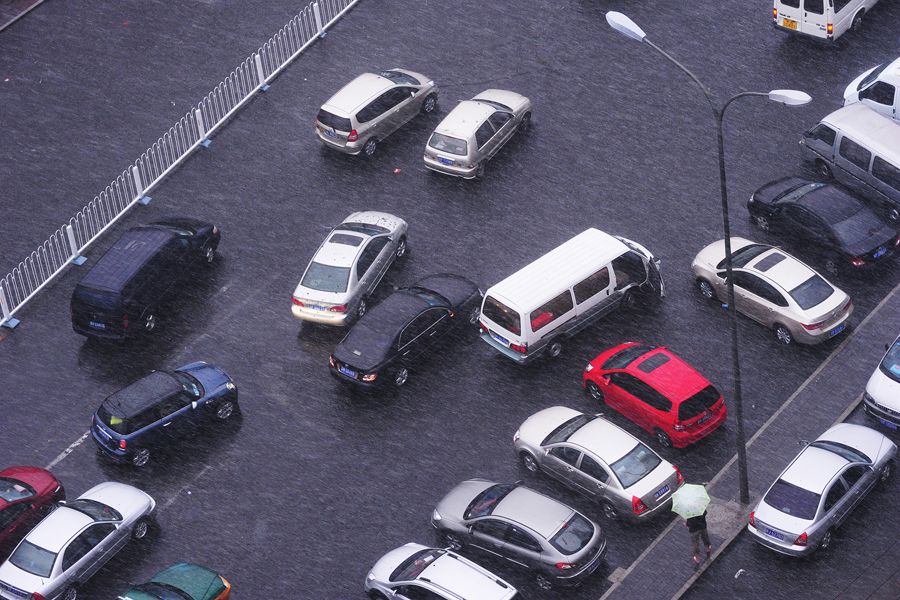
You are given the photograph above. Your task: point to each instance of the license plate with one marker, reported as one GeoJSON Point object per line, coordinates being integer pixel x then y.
{"type": "Point", "coordinates": [880, 252]}
{"type": "Point", "coordinates": [330, 133]}
{"type": "Point", "coordinates": [347, 372]}
{"type": "Point", "coordinates": [704, 418]}
{"type": "Point", "coordinates": [837, 329]}
{"type": "Point", "coordinates": [500, 339]}
{"type": "Point", "coordinates": [317, 307]}
{"type": "Point", "coordinates": [774, 534]}
{"type": "Point", "coordinates": [98, 325]}
{"type": "Point", "coordinates": [887, 423]}
{"type": "Point", "coordinates": [789, 23]}
{"type": "Point", "coordinates": [445, 161]}
{"type": "Point", "coordinates": [661, 492]}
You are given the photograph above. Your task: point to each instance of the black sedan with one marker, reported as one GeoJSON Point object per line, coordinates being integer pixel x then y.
{"type": "Point", "coordinates": [824, 220]}
{"type": "Point", "coordinates": [382, 346]}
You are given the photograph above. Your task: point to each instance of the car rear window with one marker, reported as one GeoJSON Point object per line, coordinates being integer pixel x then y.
{"type": "Point", "coordinates": [635, 465]}
{"type": "Point", "coordinates": [12, 490]}
{"type": "Point", "coordinates": [562, 433]}
{"type": "Point", "coordinates": [626, 356]}
{"type": "Point", "coordinates": [413, 566]}
{"type": "Point", "coordinates": [574, 535]}
{"type": "Point", "coordinates": [485, 502]}
{"type": "Point", "coordinates": [740, 258]}
{"type": "Point", "coordinates": [120, 425]}
{"type": "Point", "coordinates": [698, 403]}
{"type": "Point", "coordinates": [335, 122]}
{"type": "Point", "coordinates": [98, 299]}
{"type": "Point", "coordinates": [33, 559]}
{"type": "Point", "coordinates": [326, 278]}
{"type": "Point", "coordinates": [793, 500]}
{"type": "Point", "coordinates": [448, 144]}
{"type": "Point", "coordinates": [812, 292]}
{"type": "Point", "coordinates": [502, 315]}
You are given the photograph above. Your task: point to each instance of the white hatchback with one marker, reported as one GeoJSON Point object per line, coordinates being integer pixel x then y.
{"type": "Point", "coordinates": [882, 396]}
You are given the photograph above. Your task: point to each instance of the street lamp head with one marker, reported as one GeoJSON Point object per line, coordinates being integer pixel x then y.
{"type": "Point", "coordinates": [790, 97]}
{"type": "Point", "coordinates": [625, 26]}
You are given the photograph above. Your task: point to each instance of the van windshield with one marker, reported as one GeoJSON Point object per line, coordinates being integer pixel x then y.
{"type": "Point", "coordinates": [502, 315]}
{"type": "Point", "coordinates": [871, 76]}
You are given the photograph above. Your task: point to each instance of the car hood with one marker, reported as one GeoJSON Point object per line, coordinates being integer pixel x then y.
{"type": "Point", "coordinates": [851, 92]}
{"type": "Point", "coordinates": [780, 520]}
{"type": "Point", "coordinates": [884, 390]}
{"type": "Point", "coordinates": [455, 503]}
{"type": "Point", "coordinates": [539, 425]}
{"type": "Point", "coordinates": [390, 561]}
{"type": "Point", "coordinates": [211, 377]}
{"type": "Point", "coordinates": [13, 576]}
{"type": "Point", "coordinates": [128, 500]}
{"type": "Point", "coordinates": [511, 99]}
{"type": "Point", "coordinates": [771, 190]}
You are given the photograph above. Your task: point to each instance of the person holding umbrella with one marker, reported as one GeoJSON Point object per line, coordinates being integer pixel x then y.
{"type": "Point", "coordinates": [690, 502]}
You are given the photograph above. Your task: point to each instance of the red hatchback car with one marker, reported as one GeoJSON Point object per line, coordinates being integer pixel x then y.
{"type": "Point", "coordinates": [26, 496]}
{"type": "Point", "coordinates": [658, 391]}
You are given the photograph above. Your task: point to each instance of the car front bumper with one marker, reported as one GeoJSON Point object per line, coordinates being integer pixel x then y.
{"type": "Point", "coordinates": [888, 417]}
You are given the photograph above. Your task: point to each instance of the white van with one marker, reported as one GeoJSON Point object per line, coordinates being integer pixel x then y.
{"type": "Point", "coordinates": [878, 88]}
{"type": "Point", "coordinates": [563, 291]}
{"type": "Point", "coordinates": [824, 19]}
{"type": "Point", "coordinates": [861, 149]}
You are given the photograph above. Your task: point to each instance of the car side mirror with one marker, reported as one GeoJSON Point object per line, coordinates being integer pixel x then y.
{"type": "Point", "coordinates": [802, 443]}
{"type": "Point", "coordinates": [60, 502]}
{"type": "Point", "coordinates": [886, 347]}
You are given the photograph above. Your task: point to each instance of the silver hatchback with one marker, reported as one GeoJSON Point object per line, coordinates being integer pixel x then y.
{"type": "Point", "coordinates": [522, 526]}
{"type": "Point", "coordinates": [598, 459]}
{"type": "Point", "coordinates": [347, 267]}
{"type": "Point", "coordinates": [373, 106]}
{"type": "Point", "coordinates": [74, 541]}
{"type": "Point", "coordinates": [475, 131]}
{"type": "Point", "coordinates": [817, 491]}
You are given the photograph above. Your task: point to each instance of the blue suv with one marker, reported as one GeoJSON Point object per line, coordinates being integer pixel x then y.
{"type": "Point", "coordinates": [158, 409]}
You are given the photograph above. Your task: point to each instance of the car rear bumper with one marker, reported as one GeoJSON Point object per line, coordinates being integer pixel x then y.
{"type": "Point", "coordinates": [822, 39]}
{"type": "Point", "coordinates": [456, 171]}
{"type": "Point", "coordinates": [319, 316]}
{"type": "Point", "coordinates": [353, 148]}
{"type": "Point", "coordinates": [106, 334]}
{"type": "Point", "coordinates": [680, 439]}
{"type": "Point", "coordinates": [356, 381]}
{"type": "Point", "coordinates": [511, 354]}
{"type": "Point", "coordinates": [773, 545]}
{"type": "Point", "coordinates": [826, 333]}
{"type": "Point", "coordinates": [117, 455]}
{"type": "Point", "coordinates": [579, 576]}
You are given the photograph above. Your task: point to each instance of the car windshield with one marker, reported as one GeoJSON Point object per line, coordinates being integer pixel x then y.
{"type": "Point", "coordinates": [12, 490]}
{"type": "Point", "coordinates": [364, 228]}
{"type": "Point", "coordinates": [872, 76]}
{"type": "Point", "coordinates": [484, 503]}
{"type": "Point", "coordinates": [191, 386]}
{"type": "Point", "coordinates": [740, 258]}
{"type": "Point", "coordinates": [413, 566]}
{"type": "Point", "coordinates": [398, 77]}
{"type": "Point", "coordinates": [448, 144]}
{"type": "Point", "coordinates": [574, 535]}
{"type": "Point", "coordinates": [33, 559]}
{"type": "Point", "coordinates": [698, 403]}
{"type": "Point", "coordinates": [793, 500]}
{"type": "Point", "coordinates": [502, 315]}
{"type": "Point", "coordinates": [842, 450]}
{"type": "Point", "coordinates": [635, 465]}
{"type": "Point", "coordinates": [160, 590]}
{"type": "Point", "coordinates": [95, 510]}
{"type": "Point", "coordinates": [562, 433]}
{"type": "Point", "coordinates": [812, 292]}
{"type": "Point", "coordinates": [326, 278]}
{"type": "Point", "coordinates": [890, 366]}
{"type": "Point", "coordinates": [625, 357]}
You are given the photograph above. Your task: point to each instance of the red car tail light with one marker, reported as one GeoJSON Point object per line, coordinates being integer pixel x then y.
{"type": "Point", "coordinates": [338, 308]}
{"type": "Point", "coordinates": [753, 518]}
{"type": "Point", "coordinates": [332, 362]}
{"type": "Point", "coordinates": [857, 262]}
{"type": "Point", "coordinates": [36, 596]}
{"type": "Point", "coordinates": [215, 230]}
{"type": "Point", "coordinates": [897, 240]}
{"type": "Point", "coordinates": [520, 349]}
{"type": "Point", "coordinates": [125, 321]}
{"type": "Point", "coordinates": [564, 566]}
{"type": "Point", "coordinates": [680, 476]}
{"type": "Point", "coordinates": [801, 540]}
{"type": "Point", "coordinates": [637, 505]}
{"type": "Point", "coordinates": [122, 444]}
{"type": "Point", "coordinates": [370, 377]}
{"type": "Point", "coordinates": [483, 327]}
{"type": "Point", "coordinates": [353, 136]}
{"type": "Point", "coordinates": [830, 29]}
{"type": "Point", "coordinates": [296, 302]}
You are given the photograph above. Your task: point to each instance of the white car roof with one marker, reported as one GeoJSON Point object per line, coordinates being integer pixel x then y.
{"type": "Point", "coordinates": [55, 531]}
{"type": "Point", "coordinates": [604, 439]}
{"type": "Point", "coordinates": [339, 254]}
{"type": "Point", "coordinates": [465, 118]}
{"type": "Point", "coordinates": [877, 132]}
{"type": "Point", "coordinates": [813, 469]}
{"type": "Point", "coordinates": [541, 514]}
{"type": "Point", "coordinates": [464, 579]}
{"type": "Point", "coordinates": [357, 94]}
{"type": "Point", "coordinates": [565, 265]}
{"type": "Point", "coordinates": [788, 273]}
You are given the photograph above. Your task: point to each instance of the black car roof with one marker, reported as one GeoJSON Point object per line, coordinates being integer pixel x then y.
{"type": "Point", "coordinates": [142, 394]}
{"type": "Point", "coordinates": [130, 252]}
{"type": "Point", "coordinates": [831, 204]}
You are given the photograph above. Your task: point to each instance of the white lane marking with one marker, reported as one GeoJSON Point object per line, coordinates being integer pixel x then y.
{"type": "Point", "coordinates": [68, 450]}
{"type": "Point", "coordinates": [174, 497]}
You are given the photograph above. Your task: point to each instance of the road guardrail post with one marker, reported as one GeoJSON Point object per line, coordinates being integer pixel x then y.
{"type": "Point", "coordinates": [139, 186]}
{"type": "Point", "coordinates": [201, 128]}
{"type": "Point", "coordinates": [263, 86]}
{"type": "Point", "coordinates": [74, 258]}
{"type": "Point", "coordinates": [8, 320]}
{"type": "Point", "coordinates": [318, 14]}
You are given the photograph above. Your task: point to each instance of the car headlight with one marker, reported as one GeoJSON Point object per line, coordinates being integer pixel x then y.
{"type": "Point", "coordinates": [589, 368]}
{"type": "Point", "coordinates": [435, 515]}
{"type": "Point", "coordinates": [230, 386]}
{"type": "Point", "coordinates": [370, 576]}
{"type": "Point", "coordinates": [516, 436]}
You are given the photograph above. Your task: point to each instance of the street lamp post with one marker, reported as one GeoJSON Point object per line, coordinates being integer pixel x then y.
{"type": "Point", "coordinates": [628, 28]}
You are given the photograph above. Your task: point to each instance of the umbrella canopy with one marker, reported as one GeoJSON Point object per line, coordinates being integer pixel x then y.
{"type": "Point", "coordinates": [690, 500]}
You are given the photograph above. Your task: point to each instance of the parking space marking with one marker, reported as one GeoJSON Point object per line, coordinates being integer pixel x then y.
{"type": "Point", "coordinates": [68, 450]}
{"type": "Point", "coordinates": [174, 496]}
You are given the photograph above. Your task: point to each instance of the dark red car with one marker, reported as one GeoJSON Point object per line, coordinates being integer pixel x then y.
{"type": "Point", "coordinates": [658, 391]}
{"type": "Point", "coordinates": [26, 495]}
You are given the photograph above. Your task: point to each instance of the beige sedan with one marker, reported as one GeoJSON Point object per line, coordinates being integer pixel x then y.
{"type": "Point", "coordinates": [774, 289]}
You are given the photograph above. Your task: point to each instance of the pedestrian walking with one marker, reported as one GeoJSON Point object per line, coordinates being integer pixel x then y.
{"type": "Point", "coordinates": [697, 528]}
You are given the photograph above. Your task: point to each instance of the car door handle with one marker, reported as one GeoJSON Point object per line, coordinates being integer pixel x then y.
{"type": "Point", "coordinates": [167, 424]}
{"type": "Point", "coordinates": [570, 469]}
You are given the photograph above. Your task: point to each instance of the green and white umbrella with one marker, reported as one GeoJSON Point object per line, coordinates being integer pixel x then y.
{"type": "Point", "coordinates": [690, 500]}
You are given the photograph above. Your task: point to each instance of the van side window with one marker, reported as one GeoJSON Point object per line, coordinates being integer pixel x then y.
{"type": "Point", "coordinates": [823, 133]}
{"type": "Point", "coordinates": [484, 133]}
{"type": "Point", "coordinates": [886, 172]}
{"type": "Point", "coordinates": [814, 6]}
{"type": "Point", "coordinates": [839, 5]}
{"type": "Point", "coordinates": [551, 311]}
{"type": "Point", "coordinates": [855, 153]}
{"type": "Point", "coordinates": [592, 286]}
{"type": "Point", "coordinates": [881, 92]}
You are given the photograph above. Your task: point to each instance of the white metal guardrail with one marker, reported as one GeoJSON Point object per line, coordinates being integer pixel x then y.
{"type": "Point", "coordinates": [68, 242]}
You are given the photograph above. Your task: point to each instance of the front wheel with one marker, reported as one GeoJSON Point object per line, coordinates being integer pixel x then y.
{"type": "Point", "coordinates": [402, 248]}
{"type": "Point", "coordinates": [706, 289]}
{"type": "Point", "coordinates": [783, 335]}
{"type": "Point", "coordinates": [594, 391]}
{"type": "Point", "coordinates": [209, 255]}
{"type": "Point", "coordinates": [529, 462]}
{"type": "Point", "coordinates": [525, 124]}
{"type": "Point", "coordinates": [762, 221]}
{"type": "Point", "coordinates": [663, 439]}
{"type": "Point", "coordinates": [224, 410]}
{"type": "Point", "coordinates": [140, 529]}
{"type": "Point", "coordinates": [401, 376]}
{"type": "Point", "coordinates": [453, 542]}
{"type": "Point", "coordinates": [473, 317]}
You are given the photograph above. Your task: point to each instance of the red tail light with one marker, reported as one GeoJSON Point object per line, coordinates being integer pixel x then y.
{"type": "Point", "coordinates": [353, 136]}
{"type": "Point", "coordinates": [753, 518]}
{"type": "Point", "coordinates": [36, 596]}
{"type": "Point", "coordinates": [338, 308]}
{"type": "Point", "coordinates": [801, 540]}
{"type": "Point", "coordinates": [125, 321]}
{"type": "Point", "coordinates": [897, 240]}
{"type": "Point", "coordinates": [813, 326]}
{"type": "Point", "coordinates": [830, 33]}
{"type": "Point", "coordinates": [122, 444]}
{"type": "Point", "coordinates": [564, 566]}
{"type": "Point", "coordinates": [857, 262]}
{"type": "Point", "coordinates": [774, 13]}
{"type": "Point", "coordinates": [215, 230]}
{"type": "Point", "coordinates": [637, 506]}
{"type": "Point", "coordinates": [332, 362]}
{"type": "Point", "coordinates": [295, 301]}
{"type": "Point", "coordinates": [680, 476]}
{"type": "Point", "coordinates": [483, 327]}
{"type": "Point", "coordinates": [520, 349]}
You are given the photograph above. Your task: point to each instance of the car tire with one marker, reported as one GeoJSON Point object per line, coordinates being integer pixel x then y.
{"type": "Point", "coordinates": [525, 123]}
{"type": "Point", "coordinates": [825, 544]}
{"type": "Point", "coordinates": [595, 392]}
{"type": "Point", "coordinates": [370, 146]}
{"type": "Point", "coordinates": [71, 593]}
{"type": "Point", "coordinates": [225, 409]}
{"type": "Point", "coordinates": [609, 511]}
{"type": "Point", "coordinates": [662, 438]}
{"type": "Point", "coordinates": [783, 335]}
{"type": "Point", "coordinates": [401, 376]}
{"type": "Point", "coordinates": [823, 169]}
{"type": "Point", "coordinates": [361, 309]}
{"type": "Point", "coordinates": [831, 265]}
{"type": "Point", "coordinates": [453, 541]}
{"type": "Point", "coordinates": [150, 322]}
{"type": "Point", "coordinates": [885, 473]}
{"type": "Point", "coordinates": [141, 528]}
{"type": "Point", "coordinates": [209, 255]}
{"type": "Point", "coordinates": [402, 248]}
{"type": "Point", "coordinates": [141, 458]}
{"type": "Point", "coordinates": [376, 595]}
{"type": "Point", "coordinates": [429, 104]}
{"type": "Point", "coordinates": [762, 222]}
{"type": "Point", "coordinates": [529, 462]}
{"type": "Point", "coordinates": [892, 214]}
{"type": "Point", "coordinates": [706, 289]}
{"type": "Point", "coordinates": [555, 349]}
{"type": "Point", "coordinates": [543, 582]}
{"type": "Point", "coordinates": [479, 172]}
{"type": "Point", "coordinates": [629, 300]}
{"type": "Point", "coordinates": [857, 21]}
{"type": "Point", "coordinates": [474, 316]}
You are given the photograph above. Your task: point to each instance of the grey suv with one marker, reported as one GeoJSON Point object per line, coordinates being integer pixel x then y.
{"type": "Point", "coordinates": [513, 522]}
{"type": "Point", "coordinates": [372, 107]}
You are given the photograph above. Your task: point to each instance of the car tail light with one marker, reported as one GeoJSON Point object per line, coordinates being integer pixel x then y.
{"type": "Point", "coordinates": [830, 29]}
{"type": "Point", "coordinates": [678, 426]}
{"type": "Point", "coordinates": [801, 540]}
{"type": "Point", "coordinates": [352, 136]}
{"type": "Point", "coordinates": [215, 230]}
{"type": "Point", "coordinates": [564, 566]}
{"type": "Point", "coordinates": [680, 476]}
{"type": "Point", "coordinates": [295, 301]}
{"type": "Point", "coordinates": [897, 240]}
{"type": "Point", "coordinates": [520, 349]}
{"type": "Point", "coordinates": [125, 321]}
{"type": "Point", "coordinates": [338, 308]}
{"type": "Point", "coordinates": [753, 518]}
{"type": "Point", "coordinates": [122, 444]}
{"type": "Point", "coordinates": [637, 505]}
{"type": "Point", "coordinates": [483, 327]}
{"type": "Point", "coordinates": [36, 596]}
{"type": "Point", "coordinates": [332, 362]}
{"type": "Point", "coordinates": [774, 13]}
{"type": "Point", "coordinates": [814, 326]}
{"type": "Point", "coordinates": [370, 377]}
{"type": "Point", "coordinates": [857, 262]}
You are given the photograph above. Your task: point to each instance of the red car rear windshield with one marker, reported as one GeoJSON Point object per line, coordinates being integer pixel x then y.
{"type": "Point", "coordinates": [698, 403]}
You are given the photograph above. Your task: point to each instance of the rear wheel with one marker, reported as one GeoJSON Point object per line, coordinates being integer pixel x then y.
{"type": "Point", "coordinates": [370, 146]}
{"type": "Point", "coordinates": [609, 511]}
{"type": "Point", "coordinates": [893, 214]}
{"type": "Point", "coordinates": [885, 473]}
{"type": "Point", "coordinates": [543, 582]}
{"type": "Point", "coordinates": [529, 462]}
{"type": "Point", "coordinates": [831, 265]}
{"type": "Point", "coordinates": [662, 438]}
{"type": "Point", "coordinates": [594, 391]}
{"type": "Point", "coordinates": [141, 458]}
{"type": "Point", "coordinates": [376, 595]}
{"type": "Point", "coordinates": [555, 349]}
{"type": "Point", "coordinates": [628, 300]}
{"type": "Point", "coordinates": [823, 169]}
{"type": "Point", "coordinates": [826, 541]}
{"type": "Point", "coordinates": [401, 376]}
{"type": "Point", "coordinates": [71, 593]}
{"type": "Point", "coordinates": [857, 21]}
{"type": "Point", "coordinates": [140, 529]}
{"type": "Point", "coordinates": [361, 308]}
{"type": "Point", "coordinates": [783, 335]}
{"type": "Point", "coordinates": [706, 289]}
{"type": "Point", "coordinates": [150, 322]}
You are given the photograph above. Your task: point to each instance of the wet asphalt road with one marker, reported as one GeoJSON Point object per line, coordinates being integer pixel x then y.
{"type": "Point", "coordinates": [300, 495]}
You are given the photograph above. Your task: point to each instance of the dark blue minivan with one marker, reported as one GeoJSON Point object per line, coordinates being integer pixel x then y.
{"type": "Point", "coordinates": [156, 410]}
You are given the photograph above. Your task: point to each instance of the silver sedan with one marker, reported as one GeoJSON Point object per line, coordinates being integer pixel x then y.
{"type": "Point", "coordinates": [74, 541]}
{"type": "Point", "coordinates": [598, 459]}
{"type": "Point", "coordinates": [817, 491]}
